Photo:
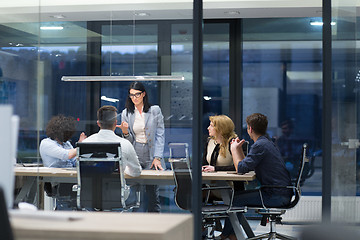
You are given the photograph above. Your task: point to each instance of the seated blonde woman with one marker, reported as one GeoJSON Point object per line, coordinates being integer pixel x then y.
{"type": "Point", "coordinates": [217, 156]}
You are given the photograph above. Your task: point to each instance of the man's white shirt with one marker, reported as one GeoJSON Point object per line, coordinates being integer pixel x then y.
{"type": "Point", "coordinates": [129, 156]}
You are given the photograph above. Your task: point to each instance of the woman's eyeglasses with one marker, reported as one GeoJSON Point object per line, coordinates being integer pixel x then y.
{"type": "Point", "coordinates": [136, 95]}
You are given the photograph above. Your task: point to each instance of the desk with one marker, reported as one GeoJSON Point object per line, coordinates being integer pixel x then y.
{"type": "Point", "coordinates": [147, 177]}
{"type": "Point", "coordinates": [163, 177]}
{"type": "Point", "coordinates": [56, 225]}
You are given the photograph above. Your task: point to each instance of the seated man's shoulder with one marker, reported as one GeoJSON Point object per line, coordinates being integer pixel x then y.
{"type": "Point", "coordinates": [125, 143]}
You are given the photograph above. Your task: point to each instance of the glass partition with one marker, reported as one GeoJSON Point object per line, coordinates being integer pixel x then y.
{"type": "Point", "coordinates": [282, 78]}
{"type": "Point", "coordinates": [345, 121]}
{"type": "Point", "coordinates": [118, 40]}
{"type": "Point", "coordinates": [216, 70]}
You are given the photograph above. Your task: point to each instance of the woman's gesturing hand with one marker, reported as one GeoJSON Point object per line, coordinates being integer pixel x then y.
{"type": "Point", "coordinates": [124, 126]}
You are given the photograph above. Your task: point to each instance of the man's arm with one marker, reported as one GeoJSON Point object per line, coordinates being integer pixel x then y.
{"type": "Point", "coordinates": [237, 151]}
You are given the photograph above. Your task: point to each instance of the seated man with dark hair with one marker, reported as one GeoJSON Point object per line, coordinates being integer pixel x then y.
{"type": "Point", "coordinates": [107, 121]}
{"type": "Point", "coordinates": [265, 159]}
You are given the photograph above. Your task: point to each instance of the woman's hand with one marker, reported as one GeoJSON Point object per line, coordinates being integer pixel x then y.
{"type": "Point", "coordinates": [156, 164]}
{"type": "Point", "coordinates": [82, 137]}
{"type": "Point", "coordinates": [208, 168]}
{"type": "Point", "coordinates": [124, 126]}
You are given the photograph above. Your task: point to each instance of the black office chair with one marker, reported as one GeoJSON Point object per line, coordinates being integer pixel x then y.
{"type": "Point", "coordinates": [274, 214]}
{"type": "Point", "coordinates": [180, 164]}
{"type": "Point", "coordinates": [5, 226]}
{"type": "Point", "coordinates": [101, 182]}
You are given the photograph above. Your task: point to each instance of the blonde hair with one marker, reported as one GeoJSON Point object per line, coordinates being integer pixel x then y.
{"type": "Point", "coordinates": [224, 127]}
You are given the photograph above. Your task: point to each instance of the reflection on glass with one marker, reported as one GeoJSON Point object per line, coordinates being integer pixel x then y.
{"type": "Point", "coordinates": [282, 79]}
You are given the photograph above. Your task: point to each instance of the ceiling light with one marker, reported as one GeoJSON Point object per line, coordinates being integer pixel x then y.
{"type": "Point", "coordinates": [120, 78]}
{"type": "Point", "coordinates": [58, 16]}
{"type": "Point", "coordinates": [142, 14]}
{"type": "Point", "coordinates": [207, 98]}
{"type": "Point", "coordinates": [51, 28]}
{"type": "Point", "coordinates": [318, 23]}
{"type": "Point", "coordinates": [232, 13]}
{"type": "Point", "coordinates": [104, 98]}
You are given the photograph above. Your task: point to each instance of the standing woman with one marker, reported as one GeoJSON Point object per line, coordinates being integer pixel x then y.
{"type": "Point", "coordinates": [143, 125]}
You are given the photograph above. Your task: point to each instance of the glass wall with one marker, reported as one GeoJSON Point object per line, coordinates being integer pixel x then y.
{"type": "Point", "coordinates": [36, 55]}
{"type": "Point", "coordinates": [282, 78]}
{"type": "Point", "coordinates": [345, 113]}
{"type": "Point", "coordinates": [216, 70]}
{"type": "Point", "coordinates": [31, 77]}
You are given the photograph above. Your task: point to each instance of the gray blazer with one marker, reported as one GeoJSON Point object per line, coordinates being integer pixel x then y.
{"type": "Point", "coordinates": [154, 130]}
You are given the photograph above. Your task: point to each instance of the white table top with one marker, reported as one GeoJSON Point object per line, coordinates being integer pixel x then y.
{"type": "Point", "coordinates": [145, 174]}
{"type": "Point", "coordinates": [100, 225]}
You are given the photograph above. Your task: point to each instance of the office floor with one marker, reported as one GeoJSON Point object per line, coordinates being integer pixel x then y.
{"type": "Point", "coordinates": [309, 231]}
{"type": "Point", "coordinates": [290, 229]}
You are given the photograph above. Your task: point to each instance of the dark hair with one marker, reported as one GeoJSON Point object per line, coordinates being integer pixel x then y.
{"type": "Point", "coordinates": [106, 116]}
{"type": "Point", "coordinates": [129, 105]}
{"type": "Point", "coordinates": [258, 122]}
{"type": "Point", "coordinates": [61, 128]}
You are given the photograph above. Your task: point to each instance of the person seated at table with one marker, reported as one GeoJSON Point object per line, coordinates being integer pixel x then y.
{"type": "Point", "coordinates": [56, 151]}
{"type": "Point", "coordinates": [265, 159]}
{"type": "Point", "coordinates": [217, 155]}
{"type": "Point", "coordinates": [106, 120]}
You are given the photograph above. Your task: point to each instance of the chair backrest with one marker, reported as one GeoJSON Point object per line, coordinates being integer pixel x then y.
{"type": "Point", "coordinates": [101, 181]}
{"type": "Point", "coordinates": [5, 227]}
{"type": "Point", "coordinates": [180, 164]}
{"type": "Point", "coordinates": [299, 176]}
{"type": "Point", "coordinates": [245, 147]}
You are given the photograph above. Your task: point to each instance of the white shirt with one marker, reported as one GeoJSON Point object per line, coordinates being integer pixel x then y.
{"type": "Point", "coordinates": [54, 154]}
{"type": "Point", "coordinates": [130, 159]}
{"type": "Point", "coordinates": [139, 127]}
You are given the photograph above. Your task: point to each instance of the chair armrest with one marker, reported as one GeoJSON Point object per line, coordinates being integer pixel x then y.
{"type": "Point", "coordinates": [227, 188]}
{"type": "Point", "coordinates": [275, 186]}
{"type": "Point", "coordinates": [217, 188]}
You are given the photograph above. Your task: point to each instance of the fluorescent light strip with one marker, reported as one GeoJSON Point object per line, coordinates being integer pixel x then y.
{"type": "Point", "coordinates": [104, 98]}
{"type": "Point", "coordinates": [120, 78]}
{"type": "Point", "coordinates": [52, 28]}
{"type": "Point", "coordinates": [316, 23]}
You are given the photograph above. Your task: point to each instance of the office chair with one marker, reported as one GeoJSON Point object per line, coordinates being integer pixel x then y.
{"type": "Point", "coordinates": [180, 164]}
{"type": "Point", "coordinates": [101, 182]}
{"type": "Point", "coordinates": [274, 214]}
{"type": "Point", "coordinates": [5, 226]}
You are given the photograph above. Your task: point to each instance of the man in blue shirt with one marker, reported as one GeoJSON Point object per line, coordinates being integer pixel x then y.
{"type": "Point", "coordinates": [265, 159]}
